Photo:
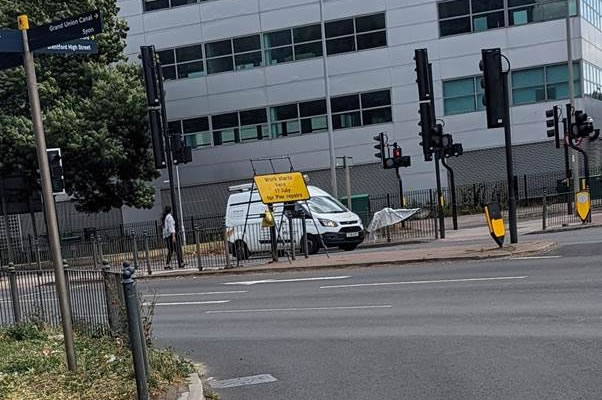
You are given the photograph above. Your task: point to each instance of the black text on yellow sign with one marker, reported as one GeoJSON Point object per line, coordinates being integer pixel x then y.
{"type": "Point", "coordinates": [282, 188]}
{"type": "Point", "coordinates": [584, 205]}
{"type": "Point", "coordinates": [495, 222]}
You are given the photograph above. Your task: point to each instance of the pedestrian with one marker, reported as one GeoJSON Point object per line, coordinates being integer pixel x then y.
{"type": "Point", "coordinates": [169, 234]}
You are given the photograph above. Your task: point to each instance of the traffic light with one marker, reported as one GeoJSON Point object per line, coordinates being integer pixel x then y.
{"type": "Point", "coordinates": [153, 95]}
{"type": "Point", "coordinates": [457, 149]}
{"type": "Point", "coordinates": [380, 146]}
{"type": "Point", "coordinates": [493, 86]}
{"type": "Point", "coordinates": [398, 160]}
{"type": "Point", "coordinates": [552, 122]}
{"type": "Point", "coordinates": [437, 137]}
{"type": "Point", "coordinates": [426, 131]}
{"type": "Point", "coordinates": [423, 78]}
{"type": "Point", "coordinates": [583, 125]}
{"type": "Point", "coordinates": [55, 162]}
{"type": "Point", "coordinates": [182, 153]}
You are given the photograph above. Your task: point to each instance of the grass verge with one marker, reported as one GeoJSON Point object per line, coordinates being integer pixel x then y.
{"type": "Point", "coordinates": [32, 366]}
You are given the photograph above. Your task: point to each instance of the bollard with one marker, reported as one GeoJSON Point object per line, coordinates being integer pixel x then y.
{"type": "Point", "coordinates": [67, 285]}
{"type": "Point", "coordinates": [14, 293]}
{"type": "Point", "coordinates": [544, 214]}
{"type": "Point", "coordinates": [94, 252]}
{"type": "Point", "coordinates": [197, 242]}
{"type": "Point", "coordinates": [304, 227]}
{"type": "Point", "coordinates": [147, 254]}
{"type": "Point", "coordinates": [134, 328]}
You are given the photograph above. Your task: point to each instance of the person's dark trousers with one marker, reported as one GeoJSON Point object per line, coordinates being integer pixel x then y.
{"type": "Point", "coordinates": [170, 248]}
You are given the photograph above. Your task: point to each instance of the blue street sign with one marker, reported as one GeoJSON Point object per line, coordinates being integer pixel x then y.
{"type": "Point", "coordinates": [11, 41]}
{"type": "Point", "coordinates": [10, 60]}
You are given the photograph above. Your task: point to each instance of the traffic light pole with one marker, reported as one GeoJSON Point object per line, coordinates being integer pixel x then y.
{"type": "Point", "coordinates": [53, 233]}
{"type": "Point", "coordinates": [509, 163]}
{"type": "Point", "coordinates": [452, 186]}
{"type": "Point", "coordinates": [581, 185]}
{"type": "Point", "coordinates": [400, 179]}
{"type": "Point", "coordinates": [169, 154]}
{"type": "Point", "coordinates": [567, 166]}
{"type": "Point", "coordinates": [439, 196]}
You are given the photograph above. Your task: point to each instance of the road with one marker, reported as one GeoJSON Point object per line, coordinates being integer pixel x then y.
{"type": "Point", "coordinates": [509, 329]}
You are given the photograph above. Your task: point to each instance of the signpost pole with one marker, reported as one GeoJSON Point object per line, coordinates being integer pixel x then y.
{"type": "Point", "coordinates": [348, 181]}
{"type": "Point", "coordinates": [53, 234]}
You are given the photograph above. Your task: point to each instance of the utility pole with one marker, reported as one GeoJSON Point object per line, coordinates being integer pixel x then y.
{"type": "Point", "coordinates": [331, 148]}
{"type": "Point", "coordinates": [569, 51]}
{"type": "Point", "coordinates": [53, 233]}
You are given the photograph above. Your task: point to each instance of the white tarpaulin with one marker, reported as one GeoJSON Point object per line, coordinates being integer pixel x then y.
{"type": "Point", "coordinates": [388, 216]}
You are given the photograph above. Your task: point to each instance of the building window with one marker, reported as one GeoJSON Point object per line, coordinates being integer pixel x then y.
{"type": "Point", "coordinates": [253, 124]}
{"type": "Point", "coordinates": [592, 80]}
{"type": "Point", "coordinates": [293, 44]}
{"type": "Point", "coordinates": [182, 62]}
{"type": "Point", "coordinates": [357, 33]}
{"type": "Point", "coordinates": [592, 12]}
{"type": "Point", "coordinates": [225, 128]}
{"type": "Point", "coordinates": [196, 132]}
{"type": "Point", "coordinates": [285, 120]}
{"type": "Point", "coordinates": [233, 54]}
{"type": "Point", "coordinates": [313, 116]}
{"type": "Point", "coordinates": [543, 84]}
{"type": "Point", "coordinates": [462, 96]}
{"type": "Point", "coordinates": [361, 109]}
{"type": "Point", "coordinates": [151, 5]}
{"type": "Point", "coordinates": [465, 16]}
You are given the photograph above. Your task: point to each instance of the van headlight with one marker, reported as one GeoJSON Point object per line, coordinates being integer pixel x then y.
{"type": "Point", "coordinates": [328, 223]}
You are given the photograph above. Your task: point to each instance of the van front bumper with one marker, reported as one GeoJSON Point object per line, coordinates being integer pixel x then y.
{"type": "Point", "coordinates": [333, 239]}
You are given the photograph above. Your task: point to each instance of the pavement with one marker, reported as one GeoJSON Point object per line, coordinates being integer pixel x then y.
{"type": "Point", "coordinates": [519, 327]}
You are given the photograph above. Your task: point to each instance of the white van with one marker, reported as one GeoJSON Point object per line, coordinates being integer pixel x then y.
{"type": "Point", "coordinates": [327, 217]}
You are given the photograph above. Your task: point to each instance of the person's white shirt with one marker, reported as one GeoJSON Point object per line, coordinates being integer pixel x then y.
{"type": "Point", "coordinates": [169, 226]}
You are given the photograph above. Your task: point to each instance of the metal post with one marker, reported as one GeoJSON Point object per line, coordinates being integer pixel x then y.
{"type": "Point", "coordinates": [387, 229]}
{"type": "Point", "coordinates": [544, 213]}
{"type": "Point", "coordinates": [14, 294]}
{"type": "Point", "coordinates": [567, 167]}
{"type": "Point", "coordinates": [291, 236]}
{"type": "Point", "coordinates": [331, 148]}
{"type": "Point", "coordinates": [569, 51]}
{"type": "Point", "coordinates": [131, 301]}
{"type": "Point", "coordinates": [134, 249]}
{"type": "Point", "coordinates": [99, 246]}
{"type": "Point", "coordinates": [67, 284]}
{"type": "Point", "coordinates": [452, 187]}
{"type": "Point", "coordinates": [304, 227]}
{"type": "Point", "coordinates": [509, 164]}
{"type": "Point", "coordinates": [94, 252]}
{"type": "Point", "coordinates": [11, 256]}
{"type": "Point", "coordinates": [400, 179]}
{"type": "Point", "coordinates": [227, 251]}
{"type": "Point", "coordinates": [53, 233]}
{"type": "Point", "coordinates": [197, 243]}
{"type": "Point", "coordinates": [433, 210]}
{"type": "Point", "coordinates": [348, 181]}
{"type": "Point", "coordinates": [106, 270]}
{"type": "Point", "coordinates": [170, 164]}
{"type": "Point", "coordinates": [440, 214]}
{"type": "Point", "coordinates": [149, 270]}
{"type": "Point", "coordinates": [273, 236]}
{"type": "Point", "coordinates": [183, 230]}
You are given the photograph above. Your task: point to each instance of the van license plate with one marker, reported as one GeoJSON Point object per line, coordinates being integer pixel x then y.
{"type": "Point", "coordinates": [353, 234]}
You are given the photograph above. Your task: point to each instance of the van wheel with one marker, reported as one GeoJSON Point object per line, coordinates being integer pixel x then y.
{"type": "Point", "coordinates": [348, 246]}
{"type": "Point", "coordinates": [241, 251]}
{"type": "Point", "coordinates": [313, 244]}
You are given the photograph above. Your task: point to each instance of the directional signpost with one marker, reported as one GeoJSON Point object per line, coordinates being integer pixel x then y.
{"type": "Point", "coordinates": [16, 48]}
{"type": "Point", "coordinates": [65, 30]}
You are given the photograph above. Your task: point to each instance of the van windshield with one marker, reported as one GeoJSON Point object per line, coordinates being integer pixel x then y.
{"type": "Point", "coordinates": [325, 205]}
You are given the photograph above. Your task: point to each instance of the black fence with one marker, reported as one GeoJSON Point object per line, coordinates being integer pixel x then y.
{"type": "Point", "coordinates": [32, 296]}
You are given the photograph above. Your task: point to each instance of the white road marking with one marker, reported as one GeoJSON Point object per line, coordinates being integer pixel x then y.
{"type": "Point", "coordinates": [422, 282]}
{"type": "Point", "coordinates": [535, 258]}
{"type": "Point", "coordinates": [260, 310]}
{"type": "Point", "coordinates": [244, 381]}
{"type": "Point", "coordinates": [193, 294]}
{"type": "Point", "coordinates": [323, 278]}
{"type": "Point", "coordinates": [189, 303]}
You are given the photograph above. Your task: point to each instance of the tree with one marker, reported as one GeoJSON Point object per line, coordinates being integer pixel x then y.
{"type": "Point", "coordinates": [94, 109]}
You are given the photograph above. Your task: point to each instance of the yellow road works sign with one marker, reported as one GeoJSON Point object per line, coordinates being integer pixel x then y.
{"type": "Point", "coordinates": [495, 222]}
{"type": "Point", "coordinates": [583, 205]}
{"type": "Point", "coordinates": [281, 188]}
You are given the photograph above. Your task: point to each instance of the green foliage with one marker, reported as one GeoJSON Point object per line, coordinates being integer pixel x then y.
{"type": "Point", "coordinates": [26, 331]}
{"type": "Point", "coordinates": [94, 109]}
{"type": "Point", "coordinates": [33, 367]}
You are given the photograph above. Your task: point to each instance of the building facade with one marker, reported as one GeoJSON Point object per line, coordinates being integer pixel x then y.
{"type": "Point", "coordinates": [245, 79]}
